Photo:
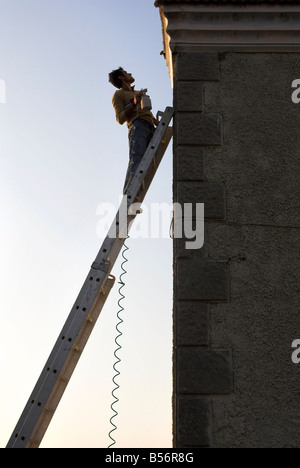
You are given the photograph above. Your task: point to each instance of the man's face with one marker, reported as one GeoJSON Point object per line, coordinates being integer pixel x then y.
{"type": "Point", "coordinates": [128, 78]}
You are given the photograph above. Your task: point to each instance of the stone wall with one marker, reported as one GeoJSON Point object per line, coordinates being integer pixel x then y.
{"type": "Point", "coordinates": [236, 300]}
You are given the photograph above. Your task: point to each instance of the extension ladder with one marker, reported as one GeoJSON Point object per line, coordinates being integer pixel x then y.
{"type": "Point", "coordinates": [69, 346]}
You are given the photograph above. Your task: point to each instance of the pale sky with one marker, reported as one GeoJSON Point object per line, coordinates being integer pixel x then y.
{"type": "Point", "coordinates": [62, 155]}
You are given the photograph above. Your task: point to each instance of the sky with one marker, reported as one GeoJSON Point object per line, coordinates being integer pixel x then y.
{"type": "Point", "coordinates": [62, 155]}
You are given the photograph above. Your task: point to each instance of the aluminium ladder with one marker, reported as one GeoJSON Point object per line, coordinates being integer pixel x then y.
{"type": "Point", "coordinates": [69, 346]}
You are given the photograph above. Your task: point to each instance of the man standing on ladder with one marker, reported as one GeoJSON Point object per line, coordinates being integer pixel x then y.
{"type": "Point", "coordinates": [129, 108]}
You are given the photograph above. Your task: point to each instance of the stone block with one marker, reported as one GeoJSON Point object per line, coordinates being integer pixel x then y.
{"type": "Point", "coordinates": [212, 195]}
{"type": "Point", "coordinates": [193, 422]}
{"type": "Point", "coordinates": [197, 66]}
{"type": "Point", "coordinates": [198, 129]}
{"type": "Point", "coordinates": [200, 280]}
{"type": "Point", "coordinates": [204, 371]}
{"type": "Point", "coordinates": [190, 162]}
{"type": "Point", "coordinates": [189, 96]}
{"type": "Point", "coordinates": [192, 324]}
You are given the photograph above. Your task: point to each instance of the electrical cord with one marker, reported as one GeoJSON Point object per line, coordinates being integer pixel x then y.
{"type": "Point", "coordinates": [119, 347]}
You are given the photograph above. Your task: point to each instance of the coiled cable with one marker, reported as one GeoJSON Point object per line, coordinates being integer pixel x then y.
{"type": "Point", "coordinates": [119, 347]}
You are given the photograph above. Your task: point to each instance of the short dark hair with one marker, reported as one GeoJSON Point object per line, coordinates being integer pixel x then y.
{"type": "Point", "coordinates": [114, 79]}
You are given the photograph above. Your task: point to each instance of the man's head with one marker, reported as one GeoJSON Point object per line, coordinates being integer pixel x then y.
{"type": "Point", "coordinates": [120, 77]}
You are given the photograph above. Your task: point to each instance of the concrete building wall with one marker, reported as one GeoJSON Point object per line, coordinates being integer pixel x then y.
{"type": "Point", "coordinates": [236, 300]}
{"type": "Point", "coordinates": [259, 165]}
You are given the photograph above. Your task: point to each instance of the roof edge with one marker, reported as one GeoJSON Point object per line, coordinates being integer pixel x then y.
{"type": "Point", "coordinates": [228, 2]}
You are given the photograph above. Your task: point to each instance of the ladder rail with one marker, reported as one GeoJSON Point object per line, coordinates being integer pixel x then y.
{"type": "Point", "coordinates": [75, 333]}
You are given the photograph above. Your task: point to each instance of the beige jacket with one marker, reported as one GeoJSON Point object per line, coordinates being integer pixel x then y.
{"type": "Point", "coordinates": [123, 97]}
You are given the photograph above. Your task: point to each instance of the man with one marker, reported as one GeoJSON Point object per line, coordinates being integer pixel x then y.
{"type": "Point", "coordinates": [140, 122]}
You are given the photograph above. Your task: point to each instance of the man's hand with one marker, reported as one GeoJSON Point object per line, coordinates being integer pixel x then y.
{"type": "Point", "coordinates": [137, 98]}
{"type": "Point", "coordinates": [131, 107]}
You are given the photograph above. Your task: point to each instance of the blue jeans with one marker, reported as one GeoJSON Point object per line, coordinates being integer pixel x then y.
{"type": "Point", "coordinates": [140, 135]}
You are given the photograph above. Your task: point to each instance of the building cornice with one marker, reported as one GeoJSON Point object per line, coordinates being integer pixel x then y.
{"type": "Point", "coordinates": [229, 2]}
{"type": "Point", "coordinates": [203, 27]}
